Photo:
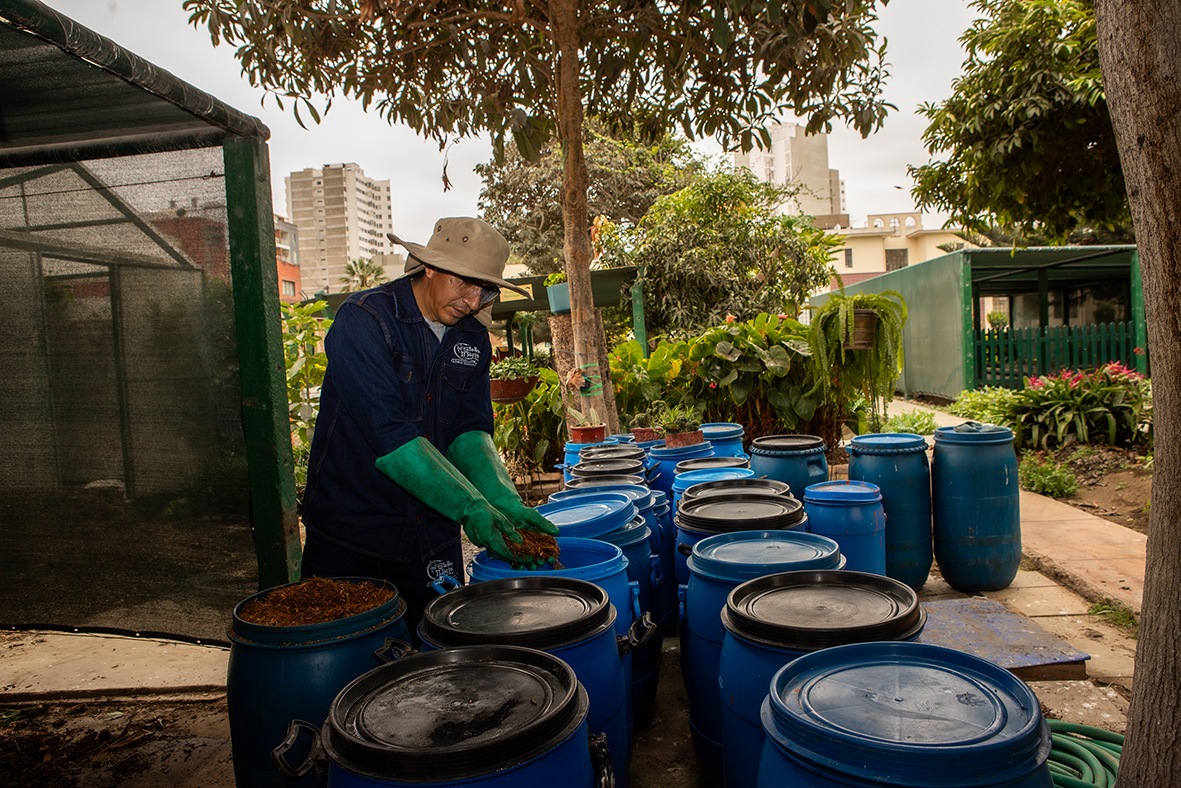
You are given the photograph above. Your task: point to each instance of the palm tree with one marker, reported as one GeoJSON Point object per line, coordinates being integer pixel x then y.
{"type": "Point", "coordinates": [362, 275]}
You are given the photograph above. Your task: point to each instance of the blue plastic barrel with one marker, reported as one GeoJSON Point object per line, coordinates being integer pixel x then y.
{"type": "Point", "coordinates": [897, 464]}
{"type": "Point", "coordinates": [901, 714]}
{"type": "Point", "coordinates": [572, 449]}
{"type": "Point", "coordinates": [976, 502]}
{"type": "Point", "coordinates": [628, 438]}
{"type": "Point", "coordinates": [686, 479]}
{"type": "Point", "coordinates": [643, 570]}
{"type": "Point", "coordinates": [590, 515]}
{"type": "Point", "coordinates": [704, 517]}
{"type": "Point", "coordinates": [725, 437]}
{"type": "Point", "coordinates": [773, 620]}
{"type": "Point", "coordinates": [717, 565]}
{"type": "Point", "coordinates": [797, 460]}
{"type": "Point", "coordinates": [571, 619]}
{"type": "Point", "coordinates": [279, 674]}
{"type": "Point", "coordinates": [666, 460]}
{"type": "Point", "coordinates": [668, 546]}
{"type": "Point", "coordinates": [850, 513]}
{"type": "Point", "coordinates": [502, 716]}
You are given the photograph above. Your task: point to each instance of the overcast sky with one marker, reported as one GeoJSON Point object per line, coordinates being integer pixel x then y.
{"type": "Point", "coordinates": [924, 54]}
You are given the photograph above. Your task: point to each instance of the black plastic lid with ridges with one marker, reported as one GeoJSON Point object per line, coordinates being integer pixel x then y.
{"type": "Point", "coordinates": [606, 468]}
{"type": "Point", "coordinates": [811, 610]}
{"type": "Point", "coordinates": [535, 612]}
{"type": "Point", "coordinates": [701, 463]}
{"type": "Point", "coordinates": [595, 481]}
{"type": "Point", "coordinates": [787, 443]}
{"type": "Point", "coordinates": [726, 513]}
{"type": "Point", "coordinates": [738, 487]}
{"type": "Point", "coordinates": [612, 452]}
{"type": "Point", "coordinates": [454, 714]}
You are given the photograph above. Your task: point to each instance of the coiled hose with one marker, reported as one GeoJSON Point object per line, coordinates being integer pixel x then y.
{"type": "Point", "coordinates": [1082, 756]}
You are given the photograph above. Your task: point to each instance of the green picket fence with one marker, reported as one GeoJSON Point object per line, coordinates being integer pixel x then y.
{"type": "Point", "coordinates": [1005, 357]}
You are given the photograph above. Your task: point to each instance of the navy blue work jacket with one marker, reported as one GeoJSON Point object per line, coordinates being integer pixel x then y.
{"type": "Point", "coordinates": [389, 381]}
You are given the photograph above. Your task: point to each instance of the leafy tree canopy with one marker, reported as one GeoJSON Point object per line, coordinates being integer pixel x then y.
{"type": "Point", "coordinates": [717, 249]}
{"type": "Point", "coordinates": [523, 198]}
{"type": "Point", "coordinates": [1027, 132]}
{"type": "Point", "coordinates": [362, 275]}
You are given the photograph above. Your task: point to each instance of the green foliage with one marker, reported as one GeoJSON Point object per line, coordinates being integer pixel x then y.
{"type": "Point", "coordinates": [362, 275]}
{"type": "Point", "coordinates": [528, 433]}
{"type": "Point", "coordinates": [718, 248]}
{"type": "Point", "coordinates": [1026, 133]}
{"type": "Point", "coordinates": [872, 372]}
{"type": "Point", "coordinates": [304, 328]}
{"type": "Point", "coordinates": [1110, 405]}
{"type": "Point", "coordinates": [587, 418]}
{"type": "Point", "coordinates": [997, 320]}
{"type": "Point", "coordinates": [556, 278]}
{"type": "Point", "coordinates": [511, 368]}
{"type": "Point", "coordinates": [917, 422]}
{"type": "Point", "coordinates": [989, 405]}
{"type": "Point", "coordinates": [1053, 479]}
{"type": "Point", "coordinates": [673, 419]}
{"type": "Point", "coordinates": [626, 174]}
{"type": "Point", "coordinates": [758, 373]}
{"type": "Point", "coordinates": [1118, 615]}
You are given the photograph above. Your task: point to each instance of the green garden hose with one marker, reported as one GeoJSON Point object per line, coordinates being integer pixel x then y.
{"type": "Point", "coordinates": [1082, 756]}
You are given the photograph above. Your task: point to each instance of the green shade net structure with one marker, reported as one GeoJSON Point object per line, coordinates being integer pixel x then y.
{"type": "Point", "coordinates": [124, 486]}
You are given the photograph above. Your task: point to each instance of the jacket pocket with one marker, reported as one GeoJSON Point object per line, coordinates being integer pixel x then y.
{"type": "Point", "coordinates": [413, 382]}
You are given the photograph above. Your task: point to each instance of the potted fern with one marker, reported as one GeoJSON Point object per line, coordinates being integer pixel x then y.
{"type": "Point", "coordinates": [557, 290]}
{"type": "Point", "coordinates": [511, 379]}
{"type": "Point", "coordinates": [588, 427]}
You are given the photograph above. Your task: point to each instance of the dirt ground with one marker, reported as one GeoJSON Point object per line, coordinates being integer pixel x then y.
{"type": "Point", "coordinates": [1113, 484]}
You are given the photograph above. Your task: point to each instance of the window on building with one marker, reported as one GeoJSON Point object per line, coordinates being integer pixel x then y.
{"type": "Point", "coordinates": [288, 287]}
{"type": "Point", "coordinates": [896, 258]}
{"type": "Point", "coordinates": [848, 258]}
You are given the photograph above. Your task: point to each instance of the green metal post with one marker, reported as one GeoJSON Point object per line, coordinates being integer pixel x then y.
{"type": "Point", "coordinates": [967, 335]}
{"type": "Point", "coordinates": [260, 357]}
{"type": "Point", "coordinates": [1139, 319]}
{"type": "Point", "coordinates": [638, 326]}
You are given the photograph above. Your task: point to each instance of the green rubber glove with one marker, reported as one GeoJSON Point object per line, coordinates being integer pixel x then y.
{"type": "Point", "coordinates": [421, 470]}
{"type": "Point", "coordinates": [476, 457]}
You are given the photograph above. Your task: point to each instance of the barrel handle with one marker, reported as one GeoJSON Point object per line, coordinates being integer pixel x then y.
{"type": "Point", "coordinates": [391, 650]}
{"type": "Point", "coordinates": [657, 573]}
{"type": "Point", "coordinates": [649, 629]}
{"type": "Point", "coordinates": [682, 609]}
{"type": "Point", "coordinates": [445, 583]}
{"type": "Point", "coordinates": [315, 759]}
{"type": "Point", "coordinates": [634, 591]}
{"type": "Point", "coordinates": [600, 753]}
{"type": "Point", "coordinates": [685, 549]}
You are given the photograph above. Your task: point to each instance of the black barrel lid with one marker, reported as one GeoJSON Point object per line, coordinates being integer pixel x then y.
{"type": "Point", "coordinates": [701, 463]}
{"type": "Point", "coordinates": [787, 443]}
{"type": "Point", "coordinates": [538, 612]}
{"type": "Point", "coordinates": [454, 714]}
{"type": "Point", "coordinates": [607, 468]}
{"type": "Point", "coordinates": [810, 610]}
{"type": "Point", "coordinates": [726, 513]}
{"type": "Point", "coordinates": [612, 452]}
{"type": "Point", "coordinates": [595, 481]}
{"type": "Point", "coordinates": [738, 487]}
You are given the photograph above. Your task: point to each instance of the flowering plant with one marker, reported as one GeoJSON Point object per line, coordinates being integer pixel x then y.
{"type": "Point", "coordinates": [1112, 404]}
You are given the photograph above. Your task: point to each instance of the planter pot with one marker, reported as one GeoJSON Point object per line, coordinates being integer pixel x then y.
{"type": "Point", "coordinates": [592, 434]}
{"type": "Point", "coordinates": [506, 392]}
{"type": "Point", "coordinates": [644, 434]}
{"type": "Point", "coordinates": [559, 298]}
{"type": "Point", "coordinates": [677, 439]}
{"type": "Point", "coordinates": [865, 323]}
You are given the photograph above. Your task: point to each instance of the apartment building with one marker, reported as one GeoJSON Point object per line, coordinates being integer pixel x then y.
{"type": "Point", "coordinates": [341, 215]}
{"type": "Point", "coordinates": [888, 241]}
{"type": "Point", "coordinates": [800, 159]}
{"type": "Point", "coordinates": [287, 261]}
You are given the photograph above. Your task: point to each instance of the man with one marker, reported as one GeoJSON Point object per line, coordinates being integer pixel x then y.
{"type": "Point", "coordinates": [403, 445]}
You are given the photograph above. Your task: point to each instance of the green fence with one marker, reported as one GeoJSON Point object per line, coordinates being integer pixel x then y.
{"type": "Point", "coordinates": [1005, 357]}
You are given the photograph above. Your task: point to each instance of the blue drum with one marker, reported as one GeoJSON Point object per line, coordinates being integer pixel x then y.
{"type": "Point", "coordinates": [572, 450]}
{"type": "Point", "coordinates": [976, 499]}
{"type": "Point", "coordinates": [717, 565]}
{"type": "Point", "coordinates": [500, 717]}
{"type": "Point", "coordinates": [897, 464]}
{"type": "Point", "coordinates": [775, 619]}
{"type": "Point", "coordinates": [901, 714]}
{"type": "Point", "coordinates": [725, 437]}
{"type": "Point", "coordinates": [663, 463]}
{"type": "Point", "coordinates": [797, 460]}
{"type": "Point", "coordinates": [683, 480]}
{"type": "Point", "coordinates": [704, 517]}
{"type": "Point", "coordinates": [850, 512]}
{"type": "Point", "coordinates": [571, 619]}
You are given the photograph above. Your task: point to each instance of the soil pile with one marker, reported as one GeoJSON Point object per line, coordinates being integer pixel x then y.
{"type": "Point", "coordinates": [314, 601]}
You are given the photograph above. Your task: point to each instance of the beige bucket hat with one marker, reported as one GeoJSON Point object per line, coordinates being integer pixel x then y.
{"type": "Point", "coordinates": [462, 246]}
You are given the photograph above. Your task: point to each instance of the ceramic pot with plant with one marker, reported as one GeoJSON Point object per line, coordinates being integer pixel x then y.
{"type": "Point", "coordinates": [642, 429]}
{"type": "Point", "coordinates": [511, 379]}
{"type": "Point", "coordinates": [587, 427]}
{"type": "Point", "coordinates": [682, 426]}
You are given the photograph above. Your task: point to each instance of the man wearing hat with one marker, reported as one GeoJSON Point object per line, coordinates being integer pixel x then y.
{"type": "Point", "coordinates": [403, 449]}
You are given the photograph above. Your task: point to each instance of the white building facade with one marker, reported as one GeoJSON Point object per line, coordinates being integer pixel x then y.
{"type": "Point", "coordinates": [801, 160]}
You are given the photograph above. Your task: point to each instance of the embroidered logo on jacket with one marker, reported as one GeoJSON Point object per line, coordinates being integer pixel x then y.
{"type": "Point", "coordinates": [466, 355]}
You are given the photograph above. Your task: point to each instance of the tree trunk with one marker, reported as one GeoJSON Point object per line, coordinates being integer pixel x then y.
{"type": "Point", "coordinates": [1140, 54]}
{"type": "Point", "coordinates": [588, 344]}
{"type": "Point", "coordinates": [562, 333]}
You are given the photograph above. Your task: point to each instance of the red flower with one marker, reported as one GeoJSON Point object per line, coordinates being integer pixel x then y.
{"type": "Point", "coordinates": [1139, 351]}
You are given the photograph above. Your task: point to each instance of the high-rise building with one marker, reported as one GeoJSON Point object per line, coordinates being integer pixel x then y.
{"type": "Point", "coordinates": [802, 160]}
{"type": "Point", "coordinates": [287, 261]}
{"type": "Point", "coordinates": [342, 216]}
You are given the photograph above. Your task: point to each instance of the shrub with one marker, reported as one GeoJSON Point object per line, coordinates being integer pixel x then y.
{"type": "Point", "coordinates": [512, 368]}
{"type": "Point", "coordinates": [1053, 479]}
{"type": "Point", "coordinates": [997, 320]}
{"type": "Point", "coordinates": [1111, 404]}
{"type": "Point", "coordinates": [917, 422]}
{"type": "Point", "coordinates": [528, 433]}
{"type": "Point", "coordinates": [990, 405]}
